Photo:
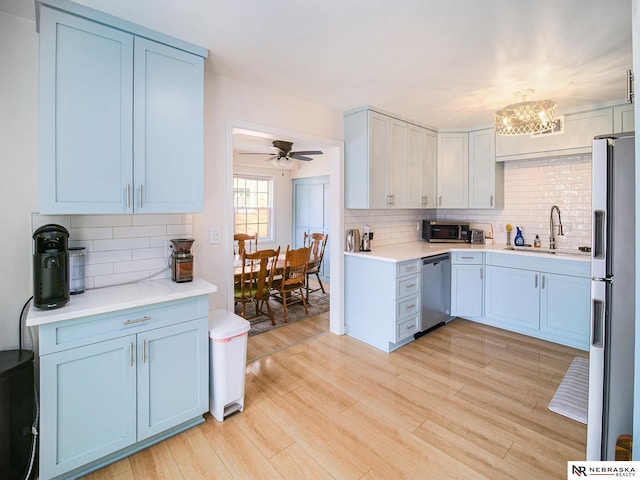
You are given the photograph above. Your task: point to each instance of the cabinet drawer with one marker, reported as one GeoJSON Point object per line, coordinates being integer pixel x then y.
{"type": "Point", "coordinates": [406, 268]}
{"type": "Point", "coordinates": [408, 306]}
{"type": "Point", "coordinates": [466, 258]}
{"type": "Point", "coordinates": [407, 327]}
{"type": "Point", "coordinates": [67, 334]}
{"type": "Point", "coordinates": [407, 286]}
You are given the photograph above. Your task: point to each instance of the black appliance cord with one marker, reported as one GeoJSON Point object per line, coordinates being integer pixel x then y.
{"type": "Point", "coordinates": [20, 320]}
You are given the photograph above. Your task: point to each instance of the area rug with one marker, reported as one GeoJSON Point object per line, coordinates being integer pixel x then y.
{"type": "Point", "coordinates": [572, 395]}
{"type": "Point", "coordinates": [318, 303]}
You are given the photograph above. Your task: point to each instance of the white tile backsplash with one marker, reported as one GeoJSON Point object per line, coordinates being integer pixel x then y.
{"type": "Point", "coordinates": [121, 248]}
{"type": "Point", "coordinates": [531, 188]}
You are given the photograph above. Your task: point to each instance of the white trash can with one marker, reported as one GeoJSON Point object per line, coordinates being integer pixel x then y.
{"type": "Point", "coordinates": [228, 334]}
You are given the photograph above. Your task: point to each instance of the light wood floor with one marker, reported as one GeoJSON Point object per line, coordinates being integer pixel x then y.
{"type": "Point", "coordinates": [466, 401]}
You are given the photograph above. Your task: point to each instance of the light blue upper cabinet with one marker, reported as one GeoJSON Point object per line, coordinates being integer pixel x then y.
{"type": "Point", "coordinates": [121, 116]}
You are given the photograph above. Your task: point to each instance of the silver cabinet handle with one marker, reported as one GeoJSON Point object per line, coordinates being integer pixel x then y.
{"type": "Point", "coordinates": [411, 285]}
{"type": "Point", "coordinates": [440, 200]}
{"type": "Point", "coordinates": [131, 354]}
{"type": "Point", "coordinates": [630, 86]}
{"type": "Point", "coordinates": [491, 201]}
{"type": "Point", "coordinates": [137, 320]}
{"type": "Point", "coordinates": [140, 199]}
{"type": "Point", "coordinates": [466, 258]}
{"type": "Point", "coordinates": [410, 307]}
{"type": "Point", "coordinates": [535, 283]}
{"type": "Point", "coordinates": [481, 273]}
{"type": "Point", "coordinates": [543, 281]}
{"type": "Point", "coordinates": [409, 327]}
{"type": "Point", "coordinates": [128, 196]}
{"type": "Point", "coordinates": [144, 351]}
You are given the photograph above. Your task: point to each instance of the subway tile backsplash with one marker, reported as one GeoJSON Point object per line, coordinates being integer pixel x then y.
{"type": "Point", "coordinates": [531, 188]}
{"type": "Point", "coordinates": [121, 248]}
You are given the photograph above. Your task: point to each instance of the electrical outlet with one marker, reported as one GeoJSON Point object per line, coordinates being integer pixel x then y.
{"type": "Point", "coordinates": [214, 235]}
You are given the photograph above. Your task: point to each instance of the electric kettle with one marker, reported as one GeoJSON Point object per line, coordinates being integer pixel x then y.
{"type": "Point", "coordinates": [353, 240]}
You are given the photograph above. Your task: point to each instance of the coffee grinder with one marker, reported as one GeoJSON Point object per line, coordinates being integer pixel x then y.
{"type": "Point", "coordinates": [50, 266]}
{"type": "Point", "coordinates": [181, 260]}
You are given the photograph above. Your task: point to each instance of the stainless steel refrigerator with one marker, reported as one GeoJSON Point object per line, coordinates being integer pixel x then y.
{"type": "Point", "coordinates": [611, 352]}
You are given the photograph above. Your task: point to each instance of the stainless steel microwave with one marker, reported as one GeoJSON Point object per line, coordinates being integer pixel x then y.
{"type": "Point", "coordinates": [445, 232]}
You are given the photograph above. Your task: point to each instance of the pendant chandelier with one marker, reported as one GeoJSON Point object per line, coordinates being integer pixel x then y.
{"type": "Point", "coordinates": [525, 118]}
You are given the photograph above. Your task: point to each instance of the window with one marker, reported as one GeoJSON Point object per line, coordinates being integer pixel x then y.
{"type": "Point", "coordinates": [252, 202]}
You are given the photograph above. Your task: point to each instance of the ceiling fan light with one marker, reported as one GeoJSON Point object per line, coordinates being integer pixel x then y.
{"type": "Point", "coordinates": [283, 163]}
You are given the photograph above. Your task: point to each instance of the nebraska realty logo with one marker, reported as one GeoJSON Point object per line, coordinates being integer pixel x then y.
{"type": "Point", "coordinates": [602, 469]}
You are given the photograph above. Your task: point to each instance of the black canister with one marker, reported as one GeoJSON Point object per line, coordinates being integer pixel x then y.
{"type": "Point", "coordinates": [50, 266]}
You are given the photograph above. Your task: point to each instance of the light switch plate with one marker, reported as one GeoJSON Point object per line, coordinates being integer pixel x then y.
{"type": "Point", "coordinates": [214, 236]}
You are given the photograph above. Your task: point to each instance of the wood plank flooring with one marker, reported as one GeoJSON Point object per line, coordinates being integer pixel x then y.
{"type": "Point", "coordinates": [466, 401]}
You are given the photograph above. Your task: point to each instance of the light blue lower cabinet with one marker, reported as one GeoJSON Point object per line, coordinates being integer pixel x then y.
{"type": "Point", "coordinates": [512, 296]}
{"type": "Point", "coordinates": [565, 309]}
{"type": "Point", "coordinates": [466, 290]}
{"type": "Point", "coordinates": [103, 400]}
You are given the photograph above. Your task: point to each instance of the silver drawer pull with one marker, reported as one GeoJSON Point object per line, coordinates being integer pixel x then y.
{"type": "Point", "coordinates": [137, 320]}
{"type": "Point", "coordinates": [467, 258]}
{"type": "Point", "coordinates": [409, 327]}
{"type": "Point", "coordinates": [131, 354]}
{"type": "Point", "coordinates": [409, 307]}
{"type": "Point", "coordinates": [144, 351]}
{"type": "Point", "coordinates": [411, 285]}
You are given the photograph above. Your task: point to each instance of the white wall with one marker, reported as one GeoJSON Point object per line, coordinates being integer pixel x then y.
{"type": "Point", "coordinates": [18, 167]}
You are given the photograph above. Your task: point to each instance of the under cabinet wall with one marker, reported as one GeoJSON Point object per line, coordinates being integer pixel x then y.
{"type": "Point", "coordinates": [123, 248]}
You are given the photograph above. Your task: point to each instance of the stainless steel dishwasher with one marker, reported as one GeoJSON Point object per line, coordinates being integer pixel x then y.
{"type": "Point", "coordinates": [436, 292]}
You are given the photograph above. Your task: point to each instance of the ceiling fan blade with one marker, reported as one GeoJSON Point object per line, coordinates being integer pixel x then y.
{"type": "Point", "coordinates": [254, 153]}
{"type": "Point", "coordinates": [300, 157]}
{"type": "Point", "coordinates": [271, 157]}
{"type": "Point", "coordinates": [306, 152]}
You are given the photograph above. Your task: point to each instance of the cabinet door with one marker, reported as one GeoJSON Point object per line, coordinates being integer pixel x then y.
{"type": "Point", "coordinates": [397, 166]}
{"type": "Point", "coordinates": [88, 404]}
{"type": "Point", "coordinates": [513, 296]}
{"type": "Point", "coordinates": [428, 169]}
{"type": "Point", "coordinates": [565, 308]}
{"type": "Point", "coordinates": [482, 169]}
{"type": "Point", "coordinates": [466, 290]}
{"type": "Point", "coordinates": [173, 376]}
{"type": "Point", "coordinates": [168, 121]}
{"type": "Point", "coordinates": [453, 170]}
{"type": "Point", "coordinates": [86, 100]}
{"type": "Point", "coordinates": [378, 148]}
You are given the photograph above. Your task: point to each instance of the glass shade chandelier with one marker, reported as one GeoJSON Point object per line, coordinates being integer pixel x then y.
{"type": "Point", "coordinates": [525, 118]}
{"type": "Point", "coordinates": [284, 163]}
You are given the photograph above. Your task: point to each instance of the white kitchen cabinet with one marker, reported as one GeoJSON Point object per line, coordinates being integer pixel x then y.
{"type": "Point", "coordinates": [453, 170]}
{"type": "Point", "coordinates": [486, 177]}
{"type": "Point", "coordinates": [577, 138]}
{"type": "Point", "coordinates": [111, 384]}
{"type": "Point", "coordinates": [389, 163]}
{"type": "Point", "coordinates": [422, 151]}
{"type": "Point", "coordinates": [120, 115]}
{"type": "Point", "coordinates": [382, 305]}
{"type": "Point", "coordinates": [623, 118]}
{"type": "Point", "coordinates": [467, 284]}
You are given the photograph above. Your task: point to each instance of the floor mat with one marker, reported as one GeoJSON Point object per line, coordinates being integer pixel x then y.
{"type": "Point", "coordinates": [572, 395]}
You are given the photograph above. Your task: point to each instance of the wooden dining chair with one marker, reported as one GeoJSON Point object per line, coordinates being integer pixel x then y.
{"type": "Point", "coordinates": [258, 270]}
{"type": "Point", "coordinates": [243, 241]}
{"type": "Point", "coordinates": [316, 242]}
{"type": "Point", "coordinates": [290, 286]}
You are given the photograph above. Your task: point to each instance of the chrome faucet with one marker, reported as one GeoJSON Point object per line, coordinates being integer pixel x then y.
{"type": "Point", "coordinates": [552, 227]}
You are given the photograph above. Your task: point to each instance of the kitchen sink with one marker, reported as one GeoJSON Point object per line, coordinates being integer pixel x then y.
{"type": "Point", "coordinates": [557, 251]}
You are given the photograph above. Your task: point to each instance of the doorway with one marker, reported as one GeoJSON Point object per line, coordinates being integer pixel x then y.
{"type": "Point", "coordinates": [333, 153]}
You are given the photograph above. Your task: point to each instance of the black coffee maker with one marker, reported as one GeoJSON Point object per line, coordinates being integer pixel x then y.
{"type": "Point", "coordinates": [50, 266]}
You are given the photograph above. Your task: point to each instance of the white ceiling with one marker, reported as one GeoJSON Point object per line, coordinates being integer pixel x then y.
{"type": "Point", "coordinates": [443, 63]}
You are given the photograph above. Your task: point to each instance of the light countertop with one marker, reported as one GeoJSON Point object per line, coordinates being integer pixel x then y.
{"type": "Point", "coordinates": [413, 250]}
{"type": "Point", "coordinates": [120, 297]}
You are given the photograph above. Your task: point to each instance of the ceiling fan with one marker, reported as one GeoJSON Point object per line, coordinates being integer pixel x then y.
{"type": "Point", "coordinates": [282, 154]}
